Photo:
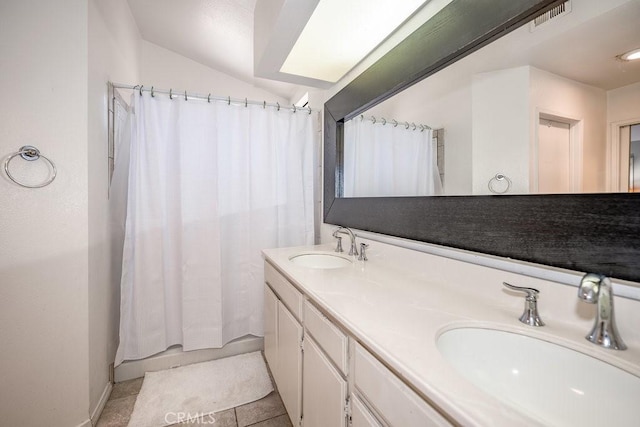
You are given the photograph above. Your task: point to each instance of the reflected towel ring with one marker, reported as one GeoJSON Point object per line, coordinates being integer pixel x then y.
{"type": "Point", "coordinates": [498, 178]}
{"type": "Point", "coordinates": [30, 154]}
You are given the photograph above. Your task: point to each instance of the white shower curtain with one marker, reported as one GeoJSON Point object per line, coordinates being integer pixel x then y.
{"type": "Point", "coordinates": [387, 160]}
{"type": "Point", "coordinates": [209, 186]}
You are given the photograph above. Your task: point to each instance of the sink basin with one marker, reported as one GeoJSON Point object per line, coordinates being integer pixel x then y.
{"type": "Point", "coordinates": [550, 383]}
{"type": "Point", "coordinates": [320, 260]}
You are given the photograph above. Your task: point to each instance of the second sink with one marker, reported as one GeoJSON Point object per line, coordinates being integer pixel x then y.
{"type": "Point", "coordinates": [550, 383]}
{"type": "Point", "coordinates": [320, 260]}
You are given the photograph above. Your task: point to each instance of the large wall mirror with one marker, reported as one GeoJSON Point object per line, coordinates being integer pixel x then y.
{"type": "Point", "coordinates": [522, 111]}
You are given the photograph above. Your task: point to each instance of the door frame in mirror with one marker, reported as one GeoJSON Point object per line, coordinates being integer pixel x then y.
{"type": "Point", "coordinates": [597, 233]}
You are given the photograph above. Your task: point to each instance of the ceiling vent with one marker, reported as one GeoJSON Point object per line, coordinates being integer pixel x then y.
{"type": "Point", "coordinates": [556, 12]}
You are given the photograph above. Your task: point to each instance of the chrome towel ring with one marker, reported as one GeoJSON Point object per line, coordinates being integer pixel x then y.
{"type": "Point", "coordinates": [499, 178]}
{"type": "Point", "coordinates": [30, 154]}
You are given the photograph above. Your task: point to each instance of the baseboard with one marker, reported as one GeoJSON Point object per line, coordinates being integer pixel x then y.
{"type": "Point", "coordinates": [97, 411]}
{"type": "Point", "coordinates": [176, 357]}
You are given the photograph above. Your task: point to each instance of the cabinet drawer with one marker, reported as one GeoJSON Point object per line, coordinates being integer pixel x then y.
{"type": "Point", "coordinates": [331, 339]}
{"type": "Point", "coordinates": [392, 398]}
{"type": "Point", "coordinates": [287, 293]}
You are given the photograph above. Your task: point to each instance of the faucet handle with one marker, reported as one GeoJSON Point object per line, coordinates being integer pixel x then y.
{"type": "Point", "coordinates": [363, 254]}
{"type": "Point", "coordinates": [339, 245]}
{"type": "Point", "coordinates": [532, 293]}
{"type": "Point", "coordinates": [530, 315]}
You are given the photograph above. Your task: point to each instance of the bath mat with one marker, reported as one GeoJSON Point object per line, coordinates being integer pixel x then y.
{"type": "Point", "coordinates": [201, 389]}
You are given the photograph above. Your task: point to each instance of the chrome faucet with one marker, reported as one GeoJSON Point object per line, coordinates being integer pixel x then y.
{"type": "Point", "coordinates": [596, 288]}
{"type": "Point", "coordinates": [345, 230]}
{"type": "Point", "coordinates": [530, 315]}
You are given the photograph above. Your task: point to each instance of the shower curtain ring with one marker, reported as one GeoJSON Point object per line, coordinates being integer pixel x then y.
{"type": "Point", "coordinates": [185, 95]}
{"type": "Point", "coordinates": [384, 121]}
{"type": "Point", "coordinates": [406, 125]}
{"type": "Point", "coordinates": [229, 100]}
{"type": "Point", "coordinates": [152, 95]}
{"type": "Point", "coordinates": [395, 123]}
{"type": "Point", "coordinates": [245, 103]}
{"type": "Point", "coordinates": [209, 98]}
{"type": "Point", "coordinates": [309, 110]}
{"type": "Point", "coordinates": [264, 105]}
{"type": "Point", "coordinates": [414, 125]}
{"type": "Point", "coordinates": [278, 106]}
{"type": "Point", "coordinates": [170, 93]}
{"type": "Point", "coordinates": [294, 108]}
{"type": "Point", "coordinates": [373, 119]}
{"type": "Point", "coordinates": [141, 89]}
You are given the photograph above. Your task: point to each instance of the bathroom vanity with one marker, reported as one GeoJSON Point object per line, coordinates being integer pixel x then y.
{"type": "Point", "coordinates": [361, 343]}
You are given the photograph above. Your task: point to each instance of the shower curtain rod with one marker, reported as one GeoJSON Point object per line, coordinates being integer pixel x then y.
{"type": "Point", "coordinates": [209, 97]}
{"type": "Point", "coordinates": [395, 123]}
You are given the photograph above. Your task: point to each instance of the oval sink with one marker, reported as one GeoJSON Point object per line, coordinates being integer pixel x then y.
{"type": "Point", "coordinates": [550, 383]}
{"type": "Point", "coordinates": [320, 260]}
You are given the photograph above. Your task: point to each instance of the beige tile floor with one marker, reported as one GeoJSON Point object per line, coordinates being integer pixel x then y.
{"type": "Point", "coordinates": [266, 412]}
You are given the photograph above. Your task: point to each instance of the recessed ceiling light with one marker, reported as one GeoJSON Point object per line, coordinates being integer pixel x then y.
{"type": "Point", "coordinates": [631, 55]}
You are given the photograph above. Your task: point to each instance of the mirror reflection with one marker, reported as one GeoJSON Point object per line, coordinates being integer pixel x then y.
{"type": "Point", "coordinates": [550, 108]}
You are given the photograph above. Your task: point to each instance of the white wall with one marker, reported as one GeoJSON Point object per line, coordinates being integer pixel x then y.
{"type": "Point", "coordinates": [113, 56]}
{"type": "Point", "coordinates": [500, 121]}
{"type": "Point", "coordinates": [165, 69]}
{"type": "Point", "coordinates": [43, 256]}
{"type": "Point", "coordinates": [567, 98]}
{"type": "Point", "coordinates": [623, 103]}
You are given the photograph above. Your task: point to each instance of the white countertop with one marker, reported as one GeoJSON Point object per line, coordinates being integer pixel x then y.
{"type": "Point", "coordinates": [400, 301]}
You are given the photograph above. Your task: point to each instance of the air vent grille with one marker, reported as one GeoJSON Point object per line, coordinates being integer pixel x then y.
{"type": "Point", "coordinates": [561, 9]}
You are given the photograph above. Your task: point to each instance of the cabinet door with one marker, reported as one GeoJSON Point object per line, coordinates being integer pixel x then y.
{"type": "Point", "coordinates": [270, 330]}
{"type": "Point", "coordinates": [324, 390]}
{"type": "Point", "coordinates": [289, 363]}
{"type": "Point", "coordinates": [360, 415]}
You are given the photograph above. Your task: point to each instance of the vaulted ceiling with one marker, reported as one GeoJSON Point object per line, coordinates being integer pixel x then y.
{"type": "Point", "coordinates": [215, 33]}
{"type": "Point", "coordinates": [220, 34]}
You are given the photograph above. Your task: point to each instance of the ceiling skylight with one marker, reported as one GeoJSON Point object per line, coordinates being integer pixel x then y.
{"type": "Point", "coordinates": [341, 33]}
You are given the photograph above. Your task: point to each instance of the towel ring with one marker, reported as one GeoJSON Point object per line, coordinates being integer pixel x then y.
{"type": "Point", "coordinates": [30, 154]}
{"type": "Point", "coordinates": [499, 177]}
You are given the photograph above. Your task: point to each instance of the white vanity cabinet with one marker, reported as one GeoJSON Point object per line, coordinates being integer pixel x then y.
{"type": "Point", "coordinates": [283, 340]}
{"type": "Point", "coordinates": [325, 377]}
